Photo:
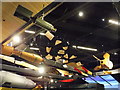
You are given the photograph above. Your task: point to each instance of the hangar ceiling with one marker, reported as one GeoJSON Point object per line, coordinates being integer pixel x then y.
{"type": "Point", "coordinates": [93, 30]}
{"type": "Point", "coordinates": [11, 23]}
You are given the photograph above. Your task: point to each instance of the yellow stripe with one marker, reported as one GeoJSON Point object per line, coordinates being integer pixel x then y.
{"type": "Point", "coordinates": [4, 88]}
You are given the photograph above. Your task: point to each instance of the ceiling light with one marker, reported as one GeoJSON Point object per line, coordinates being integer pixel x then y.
{"type": "Point", "coordinates": [74, 46]}
{"type": "Point", "coordinates": [41, 70]}
{"type": "Point", "coordinates": [51, 80]}
{"type": "Point", "coordinates": [28, 31]}
{"type": "Point", "coordinates": [42, 33]}
{"type": "Point", "coordinates": [31, 44]}
{"type": "Point", "coordinates": [33, 48]}
{"type": "Point", "coordinates": [103, 19]}
{"type": "Point", "coordinates": [68, 43]}
{"type": "Point", "coordinates": [81, 14]}
{"type": "Point", "coordinates": [16, 39]}
{"type": "Point", "coordinates": [114, 22]}
{"type": "Point", "coordinates": [65, 66]}
{"type": "Point", "coordinates": [115, 53]}
{"type": "Point", "coordinates": [86, 48]}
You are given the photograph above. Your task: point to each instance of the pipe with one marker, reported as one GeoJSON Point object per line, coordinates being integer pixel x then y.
{"type": "Point", "coordinates": [9, 79]}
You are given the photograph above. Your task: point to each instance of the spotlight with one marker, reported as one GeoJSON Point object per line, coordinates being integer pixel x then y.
{"type": "Point", "coordinates": [115, 53]}
{"type": "Point", "coordinates": [16, 39]}
{"type": "Point", "coordinates": [114, 22]}
{"type": "Point", "coordinates": [81, 14]}
{"type": "Point", "coordinates": [31, 44]}
{"type": "Point", "coordinates": [28, 31]}
{"type": "Point", "coordinates": [41, 70]}
{"type": "Point", "coordinates": [33, 48]}
{"type": "Point", "coordinates": [103, 19]}
{"type": "Point", "coordinates": [51, 80]}
{"type": "Point", "coordinates": [86, 48]}
{"type": "Point", "coordinates": [74, 46]}
{"type": "Point", "coordinates": [42, 34]}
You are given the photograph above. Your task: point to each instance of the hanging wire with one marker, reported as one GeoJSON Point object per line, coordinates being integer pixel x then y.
{"type": "Point", "coordinates": [43, 14]}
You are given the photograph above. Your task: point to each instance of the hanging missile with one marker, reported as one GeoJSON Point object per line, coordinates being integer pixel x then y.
{"type": "Point", "coordinates": [44, 24]}
{"type": "Point", "coordinates": [33, 58]}
{"type": "Point", "coordinates": [8, 79]}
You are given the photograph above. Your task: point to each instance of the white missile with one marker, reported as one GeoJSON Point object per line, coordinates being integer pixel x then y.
{"type": "Point", "coordinates": [9, 79]}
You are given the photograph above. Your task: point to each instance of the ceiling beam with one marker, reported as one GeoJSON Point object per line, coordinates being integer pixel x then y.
{"type": "Point", "coordinates": [46, 11]}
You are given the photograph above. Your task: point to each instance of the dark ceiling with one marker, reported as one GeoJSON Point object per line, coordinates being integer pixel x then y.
{"type": "Point", "coordinates": [88, 31]}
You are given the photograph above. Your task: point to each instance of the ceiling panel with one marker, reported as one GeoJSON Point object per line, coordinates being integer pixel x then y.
{"type": "Point", "coordinates": [11, 23]}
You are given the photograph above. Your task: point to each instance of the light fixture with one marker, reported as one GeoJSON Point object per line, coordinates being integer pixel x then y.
{"type": "Point", "coordinates": [16, 39]}
{"type": "Point", "coordinates": [65, 66]}
{"type": "Point", "coordinates": [33, 48]}
{"type": "Point", "coordinates": [115, 53]}
{"type": "Point", "coordinates": [68, 43]}
{"type": "Point", "coordinates": [81, 14]}
{"type": "Point", "coordinates": [42, 34]}
{"type": "Point", "coordinates": [41, 70]}
{"type": "Point", "coordinates": [86, 48]}
{"type": "Point", "coordinates": [114, 22]}
{"type": "Point", "coordinates": [103, 19]}
{"type": "Point", "coordinates": [74, 46]}
{"type": "Point", "coordinates": [55, 81]}
{"type": "Point", "coordinates": [31, 44]}
{"type": "Point", "coordinates": [51, 80]}
{"type": "Point", "coordinates": [31, 32]}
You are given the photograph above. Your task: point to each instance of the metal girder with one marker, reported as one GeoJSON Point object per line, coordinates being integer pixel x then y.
{"type": "Point", "coordinates": [30, 72]}
{"type": "Point", "coordinates": [60, 66]}
{"type": "Point", "coordinates": [49, 8]}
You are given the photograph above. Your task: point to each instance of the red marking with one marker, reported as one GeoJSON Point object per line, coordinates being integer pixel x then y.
{"type": "Point", "coordinates": [68, 80]}
{"type": "Point", "coordinates": [84, 69]}
{"type": "Point", "coordinates": [78, 70]}
{"type": "Point", "coordinates": [65, 75]}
